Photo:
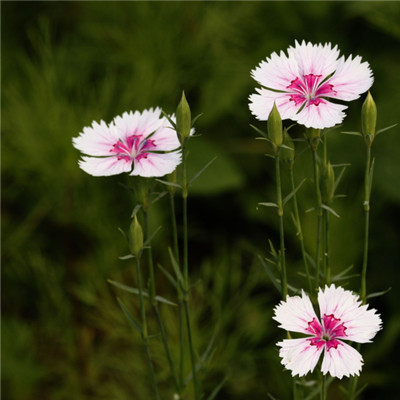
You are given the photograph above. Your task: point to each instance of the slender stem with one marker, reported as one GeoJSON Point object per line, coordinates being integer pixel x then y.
{"type": "Point", "coordinates": [299, 230]}
{"type": "Point", "coordinates": [180, 296]}
{"type": "Point", "coordinates": [152, 293]}
{"type": "Point", "coordinates": [323, 387]}
{"type": "Point", "coordinates": [367, 192]}
{"type": "Point", "coordinates": [319, 216]}
{"type": "Point", "coordinates": [186, 270]}
{"type": "Point", "coordinates": [281, 227]}
{"type": "Point", "coordinates": [145, 336]}
{"type": "Point", "coordinates": [174, 228]}
{"type": "Point", "coordinates": [326, 266]}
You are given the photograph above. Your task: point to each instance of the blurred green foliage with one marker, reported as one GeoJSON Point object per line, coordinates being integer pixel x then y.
{"type": "Point", "coordinates": [65, 64]}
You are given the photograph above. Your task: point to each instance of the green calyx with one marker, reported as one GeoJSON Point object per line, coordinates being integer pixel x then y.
{"type": "Point", "coordinates": [183, 118]}
{"type": "Point", "coordinates": [135, 238]}
{"type": "Point", "coordinates": [275, 132]}
{"type": "Point", "coordinates": [368, 119]}
{"type": "Point", "coordinates": [327, 184]}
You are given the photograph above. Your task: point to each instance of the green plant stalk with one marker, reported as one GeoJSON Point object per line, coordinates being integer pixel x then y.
{"type": "Point", "coordinates": [323, 387]}
{"type": "Point", "coordinates": [179, 290]}
{"type": "Point", "coordinates": [152, 294]}
{"type": "Point", "coordinates": [186, 269]}
{"type": "Point", "coordinates": [367, 193]}
{"type": "Point", "coordinates": [299, 230]}
{"type": "Point", "coordinates": [281, 226]}
{"type": "Point", "coordinates": [145, 336]}
{"type": "Point", "coordinates": [326, 266]}
{"type": "Point", "coordinates": [319, 216]}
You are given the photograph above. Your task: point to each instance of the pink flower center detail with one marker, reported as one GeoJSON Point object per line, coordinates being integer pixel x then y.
{"type": "Point", "coordinates": [327, 333]}
{"type": "Point", "coordinates": [309, 90]}
{"type": "Point", "coordinates": [135, 147]}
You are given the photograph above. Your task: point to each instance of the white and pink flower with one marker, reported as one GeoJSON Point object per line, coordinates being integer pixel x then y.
{"type": "Point", "coordinates": [303, 82]}
{"type": "Point", "coordinates": [142, 144]}
{"type": "Point", "coordinates": [342, 318]}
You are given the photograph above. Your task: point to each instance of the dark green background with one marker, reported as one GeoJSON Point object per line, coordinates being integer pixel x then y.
{"type": "Point", "coordinates": [65, 64]}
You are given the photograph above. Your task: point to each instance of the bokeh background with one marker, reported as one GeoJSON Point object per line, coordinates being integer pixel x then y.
{"type": "Point", "coordinates": [65, 64]}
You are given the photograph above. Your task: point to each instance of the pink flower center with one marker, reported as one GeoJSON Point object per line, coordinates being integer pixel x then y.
{"type": "Point", "coordinates": [135, 147]}
{"type": "Point", "coordinates": [327, 333]}
{"type": "Point", "coordinates": [309, 90]}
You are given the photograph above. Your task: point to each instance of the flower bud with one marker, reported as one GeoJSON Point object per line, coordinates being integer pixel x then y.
{"type": "Point", "coordinates": [183, 118]}
{"type": "Point", "coordinates": [135, 237]}
{"type": "Point", "coordinates": [368, 119]}
{"type": "Point", "coordinates": [327, 184]}
{"type": "Point", "coordinates": [314, 137]}
{"type": "Point", "coordinates": [275, 127]}
{"type": "Point", "coordinates": [287, 154]}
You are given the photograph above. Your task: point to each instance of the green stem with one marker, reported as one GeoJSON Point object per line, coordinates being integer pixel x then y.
{"type": "Point", "coordinates": [299, 230]}
{"type": "Point", "coordinates": [319, 216]}
{"type": "Point", "coordinates": [186, 270]}
{"type": "Point", "coordinates": [145, 336]}
{"type": "Point", "coordinates": [323, 388]}
{"type": "Point", "coordinates": [326, 266]}
{"type": "Point", "coordinates": [152, 294]}
{"type": "Point", "coordinates": [281, 227]}
{"type": "Point", "coordinates": [180, 296]}
{"type": "Point", "coordinates": [367, 192]}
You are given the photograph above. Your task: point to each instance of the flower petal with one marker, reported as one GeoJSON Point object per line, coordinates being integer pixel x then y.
{"type": "Point", "coordinates": [342, 360]}
{"type": "Point", "coordinates": [277, 72]}
{"type": "Point", "coordinates": [141, 124]}
{"type": "Point", "coordinates": [105, 166]}
{"type": "Point", "coordinates": [323, 114]}
{"type": "Point", "coordinates": [361, 324]}
{"type": "Point", "coordinates": [96, 140]}
{"type": "Point", "coordinates": [315, 59]}
{"type": "Point", "coordinates": [261, 104]}
{"type": "Point", "coordinates": [295, 314]}
{"type": "Point", "coordinates": [299, 355]}
{"type": "Point", "coordinates": [351, 78]}
{"type": "Point", "coordinates": [155, 164]}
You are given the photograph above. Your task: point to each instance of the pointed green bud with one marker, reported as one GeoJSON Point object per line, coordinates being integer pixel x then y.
{"type": "Point", "coordinates": [287, 152]}
{"type": "Point", "coordinates": [314, 137]}
{"type": "Point", "coordinates": [368, 119]}
{"type": "Point", "coordinates": [275, 127]}
{"type": "Point", "coordinates": [135, 238]}
{"type": "Point", "coordinates": [183, 118]}
{"type": "Point", "coordinates": [327, 184]}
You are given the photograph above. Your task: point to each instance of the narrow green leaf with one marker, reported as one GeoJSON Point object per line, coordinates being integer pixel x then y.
{"type": "Point", "coordinates": [216, 390]}
{"type": "Point", "coordinates": [259, 131]}
{"type": "Point", "coordinates": [293, 192]}
{"type": "Point", "coordinates": [385, 129]}
{"type": "Point", "coordinates": [129, 316]}
{"type": "Point", "coordinates": [201, 171]}
{"type": "Point", "coordinates": [283, 146]}
{"type": "Point", "coordinates": [168, 275]}
{"type": "Point", "coordinates": [175, 266]}
{"type": "Point", "coordinates": [132, 290]}
{"type": "Point", "coordinates": [160, 195]}
{"type": "Point", "coordinates": [339, 178]}
{"type": "Point", "coordinates": [127, 257]}
{"type": "Point", "coordinates": [331, 210]}
{"type": "Point", "coordinates": [196, 118]}
{"type": "Point", "coordinates": [268, 204]}
{"type": "Point", "coordinates": [151, 237]}
{"type": "Point", "coordinates": [378, 294]}
{"type": "Point", "coordinates": [135, 210]}
{"type": "Point", "coordinates": [169, 183]}
{"type": "Point", "coordinates": [344, 272]}
{"type": "Point", "coordinates": [352, 133]}
{"type": "Point", "coordinates": [359, 391]}
{"type": "Point", "coordinates": [270, 274]}
{"type": "Point", "coordinates": [169, 119]}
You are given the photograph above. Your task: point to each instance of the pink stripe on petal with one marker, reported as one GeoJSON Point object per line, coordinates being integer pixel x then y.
{"type": "Point", "coordinates": [296, 314]}
{"type": "Point", "coordinates": [299, 356]}
{"type": "Point", "coordinates": [156, 165]}
{"type": "Point", "coordinates": [342, 360]}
